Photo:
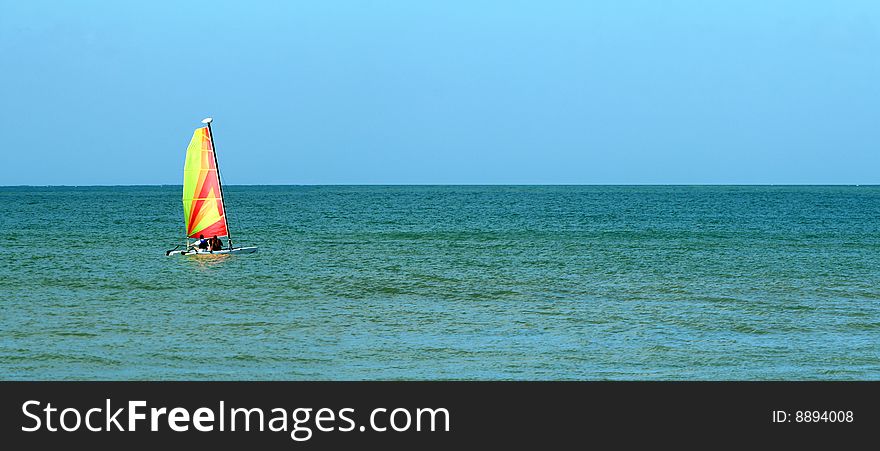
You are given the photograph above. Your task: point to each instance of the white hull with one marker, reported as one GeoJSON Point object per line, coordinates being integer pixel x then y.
{"type": "Point", "coordinates": [237, 250]}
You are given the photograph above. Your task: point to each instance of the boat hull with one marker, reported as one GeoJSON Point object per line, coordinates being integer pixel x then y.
{"type": "Point", "coordinates": [200, 252]}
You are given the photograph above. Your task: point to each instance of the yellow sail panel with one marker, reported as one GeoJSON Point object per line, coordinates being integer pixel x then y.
{"type": "Point", "coordinates": [203, 209]}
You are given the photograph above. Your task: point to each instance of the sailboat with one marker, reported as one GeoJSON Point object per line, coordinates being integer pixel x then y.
{"type": "Point", "coordinates": [204, 211]}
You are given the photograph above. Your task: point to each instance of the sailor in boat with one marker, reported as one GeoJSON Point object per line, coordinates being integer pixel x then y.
{"type": "Point", "coordinates": [214, 244]}
{"type": "Point", "coordinates": [201, 244]}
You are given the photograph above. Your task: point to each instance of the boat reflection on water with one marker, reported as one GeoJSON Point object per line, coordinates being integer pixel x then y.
{"type": "Point", "coordinates": [204, 261]}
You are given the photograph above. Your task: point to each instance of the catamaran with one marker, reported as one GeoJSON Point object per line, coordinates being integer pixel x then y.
{"type": "Point", "coordinates": [204, 211]}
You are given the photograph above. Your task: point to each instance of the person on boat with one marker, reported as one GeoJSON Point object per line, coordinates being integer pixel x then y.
{"type": "Point", "coordinates": [202, 243]}
{"type": "Point", "coordinates": [215, 244]}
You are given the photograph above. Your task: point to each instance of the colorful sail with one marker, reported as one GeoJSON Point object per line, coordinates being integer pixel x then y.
{"type": "Point", "coordinates": [203, 209]}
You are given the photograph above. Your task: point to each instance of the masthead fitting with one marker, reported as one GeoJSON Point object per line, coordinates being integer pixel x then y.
{"type": "Point", "coordinates": [207, 120]}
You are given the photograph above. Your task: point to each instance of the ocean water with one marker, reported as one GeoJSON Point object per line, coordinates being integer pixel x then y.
{"type": "Point", "coordinates": [446, 282]}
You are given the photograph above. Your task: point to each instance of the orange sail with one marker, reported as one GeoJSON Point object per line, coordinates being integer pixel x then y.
{"type": "Point", "coordinates": [203, 209]}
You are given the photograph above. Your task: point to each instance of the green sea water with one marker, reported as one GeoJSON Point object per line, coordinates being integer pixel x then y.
{"type": "Point", "coordinates": [445, 282]}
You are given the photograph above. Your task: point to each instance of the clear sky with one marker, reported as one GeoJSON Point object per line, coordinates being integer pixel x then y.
{"type": "Point", "coordinates": [327, 92]}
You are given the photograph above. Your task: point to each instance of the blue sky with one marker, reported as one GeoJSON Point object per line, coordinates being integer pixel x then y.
{"type": "Point", "coordinates": [329, 92]}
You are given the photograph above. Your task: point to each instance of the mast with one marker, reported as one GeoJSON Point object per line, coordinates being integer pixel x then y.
{"type": "Point", "coordinates": [208, 121]}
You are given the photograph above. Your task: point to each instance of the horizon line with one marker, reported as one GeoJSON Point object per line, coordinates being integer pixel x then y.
{"type": "Point", "coordinates": [446, 184]}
